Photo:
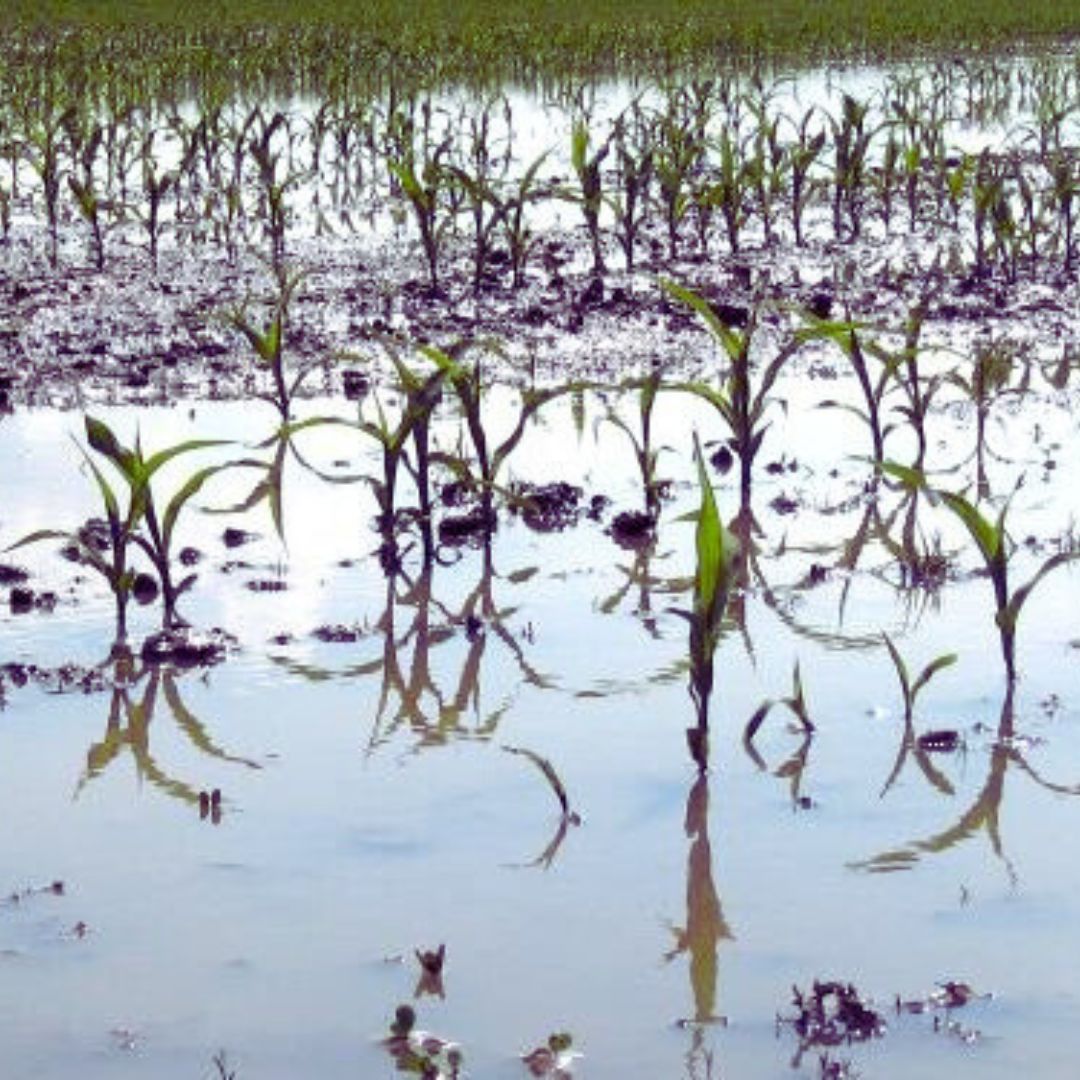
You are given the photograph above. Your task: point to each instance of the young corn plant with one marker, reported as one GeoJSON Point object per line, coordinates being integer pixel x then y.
{"type": "Point", "coordinates": [421, 394]}
{"type": "Point", "coordinates": [424, 180]}
{"type": "Point", "coordinates": [275, 181]}
{"type": "Point", "coordinates": [42, 147]}
{"type": "Point", "coordinates": [677, 154]}
{"type": "Point", "coordinates": [995, 548]}
{"type": "Point", "coordinates": [989, 380]}
{"type": "Point", "coordinates": [802, 156]}
{"type": "Point", "coordinates": [587, 164]}
{"type": "Point", "coordinates": [85, 139]}
{"type": "Point", "coordinates": [155, 537]}
{"type": "Point", "coordinates": [847, 336]}
{"type": "Point", "coordinates": [717, 552]}
{"type": "Point", "coordinates": [1065, 188]}
{"type": "Point", "coordinates": [123, 523]}
{"type": "Point", "coordinates": [769, 165]}
{"type": "Point", "coordinates": [268, 344]}
{"type": "Point", "coordinates": [741, 405]}
{"type": "Point", "coordinates": [511, 207]}
{"type": "Point", "coordinates": [729, 191]}
{"type": "Point", "coordinates": [646, 454]}
{"type": "Point", "coordinates": [852, 138]}
{"type": "Point", "coordinates": [470, 387]}
{"type": "Point", "coordinates": [476, 176]}
{"type": "Point", "coordinates": [155, 187]}
{"type": "Point", "coordinates": [918, 390]}
{"type": "Point", "coordinates": [632, 141]}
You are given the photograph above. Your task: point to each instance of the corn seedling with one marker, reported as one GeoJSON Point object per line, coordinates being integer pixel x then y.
{"type": "Point", "coordinates": [421, 394]}
{"type": "Point", "coordinates": [268, 345]}
{"type": "Point", "coordinates": [632, 142]}
{"type": "Point", "coordinates": [1066, 187]}
{"type": "Point", "coordinates": [741, 405]}
{"type": "Point", "coordinates": [644, 452]}
{"type": "Point", "coordinates": [988, 382]}
{"type": "Point", "coordinates": [42, 146]}
{"type": "Point", "coordinates": [852, 138]}
{"type": "Point", "coordinates": [155, 187]}
{"type": "Point", "coordinates": [729, 190]}
{"type": "Point", "coordinates": [111, 559]}
{"type": "Point", "coordinates": [424, 180]}
{"type": "Point", "coordinates": [717, 553]}
{"type": "Point", "coordinates": [275, 184]}
{"type": "Point", "coordinates": [590, 195]}
{"type": "Point", "coordinates": [678, 150]}
{"type": "Point", "coordinates": [511, 212]}
{"type": "Point", "coordinates": [918, 390]}
{"type": "Point", "coordinates": [468, 383]}
{"type": "Point", "coordinates": [802, 156]}
{"type": "Point", "coordinates": [847, 335]}
{"type": "Point", "coordinates": [85, 142]}
{"type": "Point", "coordinates": [477, 177]}
{"type": "Point", "coordinates": [768, 165]}
{"type": "Point", "coordinates": [995, 549]}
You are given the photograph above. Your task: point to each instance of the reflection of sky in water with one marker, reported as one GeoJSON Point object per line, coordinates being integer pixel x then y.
{"type": "Point", "coordinates": [358, 838]}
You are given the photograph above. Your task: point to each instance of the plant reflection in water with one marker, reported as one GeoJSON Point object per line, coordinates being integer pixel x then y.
{"type": "Point", "coordinates": [128, 726]}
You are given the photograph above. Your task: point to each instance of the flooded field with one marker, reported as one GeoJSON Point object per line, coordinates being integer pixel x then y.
{"type": "Point", "coordinates": [430, 691]}
{"type": "Point", "coordinates": [369, 805]}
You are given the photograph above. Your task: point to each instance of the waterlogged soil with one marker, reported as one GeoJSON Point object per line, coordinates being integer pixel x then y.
{"type": "Point", "coordinates": [126, 334]}
{"type": "Point", "coordinates": [465, 786]}
{"type": "Point", "coordinates": [143, 331]}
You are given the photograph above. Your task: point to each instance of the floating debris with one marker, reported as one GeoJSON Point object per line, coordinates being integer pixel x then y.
{"type": "Point", "coordinates": [831, 1014]}
{"type": "Point", "coordinates": [554, 1059]}
{"type": "Point", "coordinates": [188, 648]}
{"type": "Point", "coordinates": [54, 888]}
{"type": "Point", "coordinates": [420, 1052]}
{"type": "Point", "coordinates": [943, 741]}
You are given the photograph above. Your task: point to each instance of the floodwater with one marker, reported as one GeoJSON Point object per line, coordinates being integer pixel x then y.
{"type": "Point", "coordinates": [370, 807]}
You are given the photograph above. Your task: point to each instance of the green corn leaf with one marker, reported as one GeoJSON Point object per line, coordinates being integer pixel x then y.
{"type": "Point", "coordinates": [42, 534]}
{"type": "Point", "coordinates": [579, 146]}
{"type": "Point", "coordinates": [108, 496]}
{"type": "Point", "coordinates": [728, 338]}
{"type": "Point", "coordinates": [189, 488]}
{"type": "Point", "coordinates": [843, 406]}
{"type": "Point", "coordinates": [1007, 618]}
{"type": "Point", "coordinates": [101, 438]}
{"type": "Point", "coordinates": [156, 461]}
{"type": "Point", "coordinates": [89, 554]}
{"type": "Point", "coordinates": [717, 551]}
{"type": "Point", "coordinates": [912, 479]}
{"type": "Point", "coordinates": [989, 538]}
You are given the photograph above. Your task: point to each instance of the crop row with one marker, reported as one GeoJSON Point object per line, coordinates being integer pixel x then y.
{"type": "Point", "coordinates": [707, 168]}
{"type": "Point", "coordinates": [148, 48]}
{"type": "Point", "coordinates": [896, 393]}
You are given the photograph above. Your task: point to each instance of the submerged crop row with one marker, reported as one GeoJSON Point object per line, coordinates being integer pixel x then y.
{"type": "Point", "coordinates": [439, 472]}
{"type": "Point", "coordinates": [984, 167]}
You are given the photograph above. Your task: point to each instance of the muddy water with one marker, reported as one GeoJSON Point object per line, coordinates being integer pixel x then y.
{"type": "Point", "coordinates": [369, 807]}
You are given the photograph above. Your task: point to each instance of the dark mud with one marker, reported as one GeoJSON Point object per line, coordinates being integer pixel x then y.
{"type": "Point", "coordinates": [76, 336]}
